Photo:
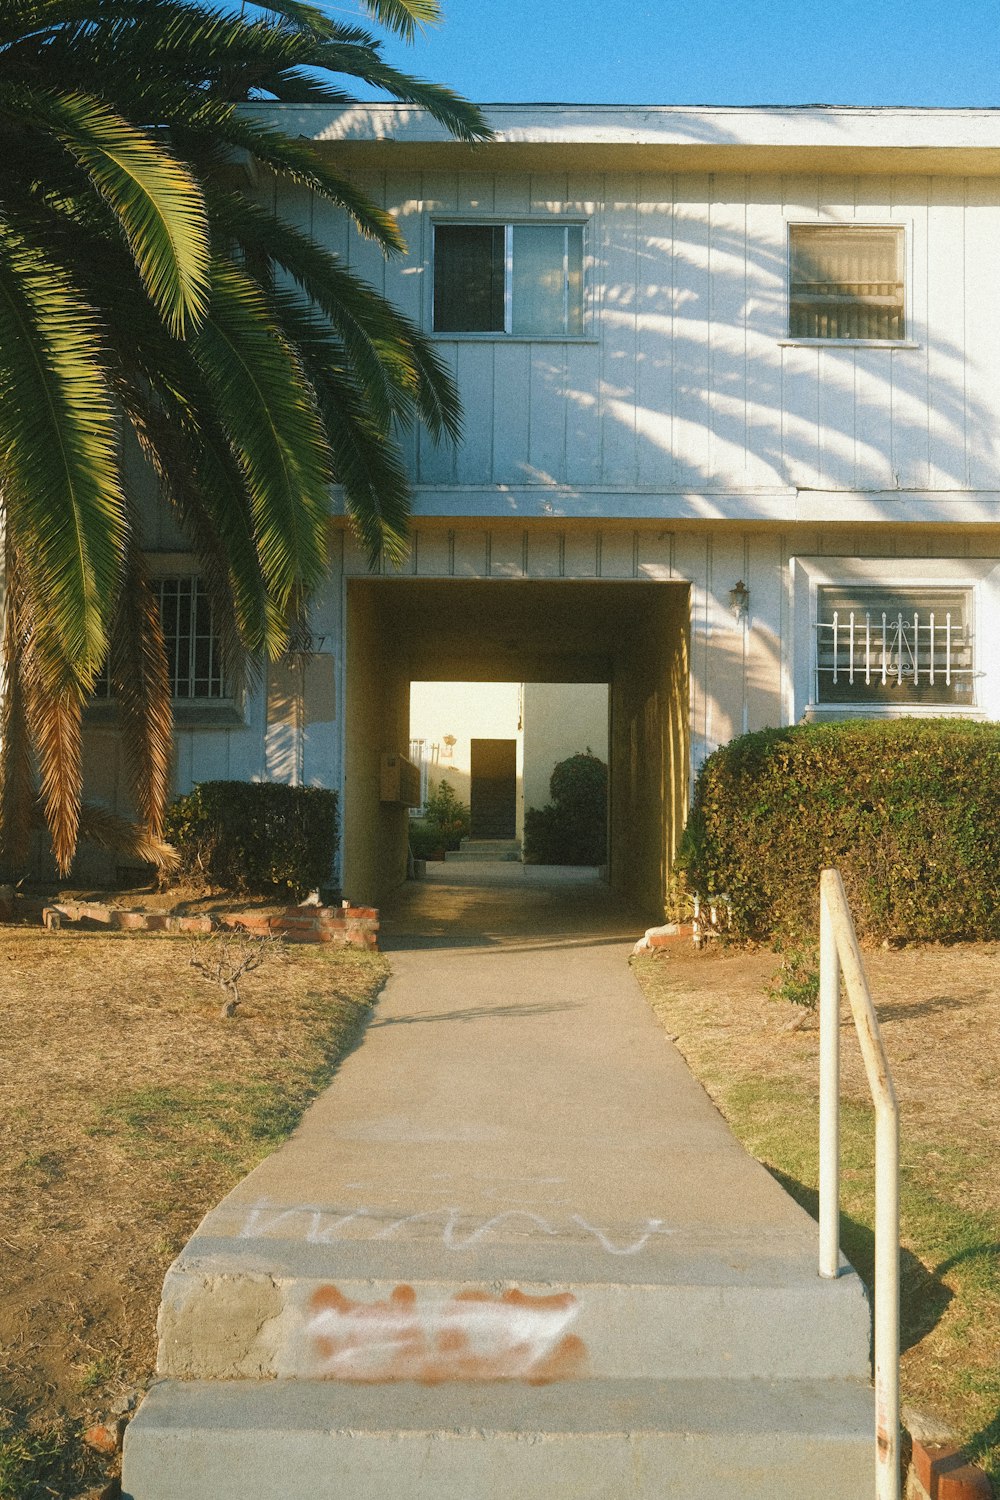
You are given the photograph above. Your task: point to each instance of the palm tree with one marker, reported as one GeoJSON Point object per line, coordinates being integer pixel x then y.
{"type": "Point", "coordinates": [145, 289]}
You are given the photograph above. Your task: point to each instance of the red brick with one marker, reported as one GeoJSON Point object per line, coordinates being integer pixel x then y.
{"type": "Point", "coordinates": [249, 922]}
{"type": "Point", "coordinates": [105, 1437]}
{"type": "Point", "coordinates": [194, 924]}
{"type": "Point", "coordinates": [128, 921]}
{"type": "Point", "coordinates": [946, 1474]}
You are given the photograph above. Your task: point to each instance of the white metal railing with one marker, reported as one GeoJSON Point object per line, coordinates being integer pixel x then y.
{"type": "Point", "coordinates": [887, 648]}
{"type": "Point", "coordinates": [839, 954]}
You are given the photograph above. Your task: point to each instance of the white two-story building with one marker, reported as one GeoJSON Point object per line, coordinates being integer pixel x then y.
{"type": "Point", "coordinates": [732, 447]}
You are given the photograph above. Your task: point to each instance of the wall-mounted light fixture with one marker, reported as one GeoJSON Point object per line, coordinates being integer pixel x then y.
{"type": "Point", "coordinates": [739, 600]}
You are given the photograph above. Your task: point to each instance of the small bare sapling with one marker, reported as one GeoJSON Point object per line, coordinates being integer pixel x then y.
{"type": "Point", "coordinates": [226, 958]}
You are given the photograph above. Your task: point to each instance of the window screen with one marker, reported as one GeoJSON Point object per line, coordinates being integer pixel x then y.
{"type": "Point", "coordinates": [469, 278]}
{"type": "Point", "coordinates": [523, 279]}
{"type": "Point", "coordinates": [846, 283]}
{"type": "Point", "coordinates": [894, 646]}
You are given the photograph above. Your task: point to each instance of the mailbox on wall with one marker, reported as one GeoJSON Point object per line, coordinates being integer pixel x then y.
{"type": "Point", "coordinates": [399, 780]}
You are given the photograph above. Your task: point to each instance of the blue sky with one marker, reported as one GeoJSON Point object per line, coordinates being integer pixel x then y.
{"type": "Point", "coordinates": [925, 52]}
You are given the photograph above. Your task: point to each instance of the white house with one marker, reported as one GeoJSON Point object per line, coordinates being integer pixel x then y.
{"type": "Point", "coordinates": [732, 448]}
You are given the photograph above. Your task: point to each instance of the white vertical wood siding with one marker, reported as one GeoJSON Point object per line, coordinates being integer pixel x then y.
{"type": "Point", "coordinates": [684, 382]}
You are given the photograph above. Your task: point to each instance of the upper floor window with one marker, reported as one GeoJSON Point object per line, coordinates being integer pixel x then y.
{"type": "Point", "coordinates": [847, 282]}
{"type": "Point", "coordinates": [522, 279]}
{"type": "Point", "coordinates": [892, 645]}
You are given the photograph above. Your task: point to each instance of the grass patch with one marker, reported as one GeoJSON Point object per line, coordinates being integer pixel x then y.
{"type": "Point", "coordinates": [41, 1459]}
{"type": "Point", "coordinates": [939, 1014]}
{"type": "Point", "coordinates": [132, 1108]}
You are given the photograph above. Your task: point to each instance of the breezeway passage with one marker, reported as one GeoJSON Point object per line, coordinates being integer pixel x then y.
{"type": "Point", "coordinates": [512, 1216]}
{"type": "Point", "coordinates": [633, 636]}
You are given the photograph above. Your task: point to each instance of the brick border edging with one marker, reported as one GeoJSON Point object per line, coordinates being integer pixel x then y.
{"type": "Point", "coordinates": [343, 926]}
{"type": "Point", "coordinates": [941, 1471]}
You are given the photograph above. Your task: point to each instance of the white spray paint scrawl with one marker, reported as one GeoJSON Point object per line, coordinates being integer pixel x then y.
{"type": "Point", "coordinates": [459, 1230]}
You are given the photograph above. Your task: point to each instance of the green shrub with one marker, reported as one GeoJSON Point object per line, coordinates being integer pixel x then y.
{"type": "Point", "coordinates": [907, 809]}
{"type": "Point", "coordinates": [572, 828]}
{"type": "Point", "coordinates": [427, 841]}
{"type": "Point", "coordinates": [256, 836]}
{"type": "Point", "coordinates": [449, 818]}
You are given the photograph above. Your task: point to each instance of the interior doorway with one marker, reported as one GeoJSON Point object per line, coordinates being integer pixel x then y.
{"type": "Point", "coordinates": [493, 789]}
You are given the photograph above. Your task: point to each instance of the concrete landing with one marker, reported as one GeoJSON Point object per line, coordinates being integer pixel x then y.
{"type": "Point", "coordinates": [484, 851]}
{"type": "Point", "coordinates": [515, 1193]}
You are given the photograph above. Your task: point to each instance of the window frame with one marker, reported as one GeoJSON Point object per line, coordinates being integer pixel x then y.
{"type": "Point", "coordinates": [228, 711]}
{"type": "Point", "coordinates": [509, 224]}
{"type": "Point", "coordinates": [979, 578]}
{"type": "Point", "coordinates": [905, 225]}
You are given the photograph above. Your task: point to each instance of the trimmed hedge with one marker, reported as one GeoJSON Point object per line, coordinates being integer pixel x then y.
{"type": "Point", "coordinates": [572, 828]}
{"type": "Point", "coordinates": [256, 836]}
{"type": "Point", "coordinates": [908, 809]}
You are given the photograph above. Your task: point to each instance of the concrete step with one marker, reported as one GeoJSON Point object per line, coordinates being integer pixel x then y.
{"type": "Point", "coordinates": [371, 1309]}
{"type": "Point", "coordinates": [484, 851]}
{"type": "Point", "coordinates": [475, 857]}
{"type": "Point", "coordinates": [579, 1440]}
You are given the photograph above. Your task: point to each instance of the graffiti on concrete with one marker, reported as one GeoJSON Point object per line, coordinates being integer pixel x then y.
{"type": "Point", "coordinates": [474, 1335]}
{"type": "Point", "coordinates": [459, 1230]}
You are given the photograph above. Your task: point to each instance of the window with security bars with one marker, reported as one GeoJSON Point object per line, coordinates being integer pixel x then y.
{"type": "Point", "coordinates": [894, 646]}
{"type": "Point", "coordinates": [847, 282]}
{"type": "Point", "coordinates": [194, 666]}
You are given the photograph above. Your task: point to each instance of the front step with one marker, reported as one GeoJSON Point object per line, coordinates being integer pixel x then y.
{"type": "Point", "coordinates": [364, 1310]}
{"type": "Point", "coordinates": [579, 1440]}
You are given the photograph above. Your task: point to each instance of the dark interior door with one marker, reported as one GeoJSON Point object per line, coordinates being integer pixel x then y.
{"type": "Point", "coordinates": [493, 796]}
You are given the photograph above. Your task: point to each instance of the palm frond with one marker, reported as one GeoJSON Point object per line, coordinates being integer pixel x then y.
{"type": "Point", "coordinates": [54, 713]}
{"type": "Point", "coordinates": [299, 162]}
{"type": "Point", "coordinates": [119, 836]}
{"type": "Point", "coordinates": [465, 121]}
{"type": "Point", "coordinates": [141, 687]}
{"type": "Point", "coordinates": [404, 16]}
{"type": "Point", "coordinates": [371, 332]}
{"type": "Point", "coordinates": [58, 449]}
{"type": "Point", "coordinates": [17, 767]}
{"type": "Point", "coordinates": [267, 409]}
{"type": "Point", "coordinates": [366, 462]}
{"type": "Point", "coordinates": [199, 480]}
{"type": "Point", "coordinates": [158, 204]}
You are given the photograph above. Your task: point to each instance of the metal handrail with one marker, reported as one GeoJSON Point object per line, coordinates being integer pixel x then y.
{"type": "Point", "coordinates": [839, 954]}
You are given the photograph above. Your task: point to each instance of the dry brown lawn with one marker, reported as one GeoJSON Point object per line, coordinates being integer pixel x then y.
{"type": "Point", "coordinates": [939, 1009]}
{"type": "Point", "coordinates": [129, 1109]}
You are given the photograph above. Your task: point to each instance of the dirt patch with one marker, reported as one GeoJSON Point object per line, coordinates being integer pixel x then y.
{"type": "Point", "coordinates": [130, 1109]}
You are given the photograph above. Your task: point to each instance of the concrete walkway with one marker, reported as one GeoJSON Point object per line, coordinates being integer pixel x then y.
{"type": "Point", "coordinates": [513, 1180]}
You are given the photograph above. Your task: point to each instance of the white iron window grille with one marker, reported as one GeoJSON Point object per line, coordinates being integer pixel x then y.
{"type": "Point", "coordinates": [894, 646]}
{"type": "Point", "coordinates": [194, 664]}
